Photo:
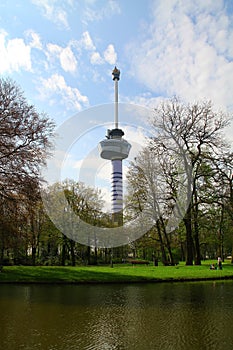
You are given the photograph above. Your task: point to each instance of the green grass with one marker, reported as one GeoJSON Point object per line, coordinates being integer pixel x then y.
{"type": "Point", "coordinates": [106, 274]}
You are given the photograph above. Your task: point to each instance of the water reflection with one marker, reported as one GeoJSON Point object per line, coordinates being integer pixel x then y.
{"type": "Point", "coordinates": [107, 317]}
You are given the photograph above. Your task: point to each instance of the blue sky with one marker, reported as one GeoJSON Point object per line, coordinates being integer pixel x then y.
{"type": "Point", "coordinates": [62, 52]}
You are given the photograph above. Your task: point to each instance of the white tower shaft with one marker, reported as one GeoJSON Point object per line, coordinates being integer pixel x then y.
{"type": "Point", "coordinates": [117, 186]}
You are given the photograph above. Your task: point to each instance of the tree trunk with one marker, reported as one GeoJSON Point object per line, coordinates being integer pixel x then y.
{"type": "Point", "coordinates": [197, 257]}
{"type": "Point", "coordinates": [196, 229]}
{"type": "Point", "coordinates": [231, 209]}
{"type": "Point", "coordinates": [33, 256]}
{"type": "Point", "coordinates": [73, 260]}
{"type": "Point", "coordinates": [220, 235]}
{"type": "Point", "coordinates": [63, 253]}
{"type": "Point", "coordinates": [106, 255]}
{"type": "Point", "coordinates": [1, 255]}
{"type": "Point", "coordinates": [189, 239]}
{"type": "Point", "coordinates": [164, 257]}
{"type": "Point", "coordinates": [96, 256]}
{"type": "Point", "coordinates": [167, 242]}
{"type": "Point", "coordinates": [88, 253]}
{"type": "Point", "coordinates": [182, 249]}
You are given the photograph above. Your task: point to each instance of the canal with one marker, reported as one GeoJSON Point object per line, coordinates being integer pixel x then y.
{"type": "Point", "coordinates": [166, 316]}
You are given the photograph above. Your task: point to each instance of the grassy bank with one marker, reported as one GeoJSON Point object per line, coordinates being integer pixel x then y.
{"type": "Point", "coordinates": [106, 274]}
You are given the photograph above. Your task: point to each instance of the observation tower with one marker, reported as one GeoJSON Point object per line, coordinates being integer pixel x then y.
{"type": "Point", "coordinates": [115, 148]}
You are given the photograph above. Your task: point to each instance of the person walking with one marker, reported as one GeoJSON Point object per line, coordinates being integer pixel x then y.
{"type": "Point", "coordinates": [219, 263]}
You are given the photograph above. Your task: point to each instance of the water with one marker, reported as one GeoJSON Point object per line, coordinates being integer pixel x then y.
{"type": "Point", "coordinates": [189, 316]}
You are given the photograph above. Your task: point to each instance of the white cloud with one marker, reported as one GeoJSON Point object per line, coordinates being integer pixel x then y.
{"type": "Point", "coordinates": [87, 42]}
{"type": "Point", "coordinates": [144, 99]}
{"type": "Point", "coordinates": [96, 58]}
{"type": "Point", "coordinates": [15, 54]}
{"type": "Point", "coordinates": [187, 51]}
{"type": "Point", "coordinates": [66, 56]}
{"type": "Point", "coordinates": [56, 86]}
{"type": "Point", "coordinates": [35, 39]}
{"type": "Point", "coordinates": [68, 60]}
{"type": "Point", "coordinates": [93, 11]}
{"type": "Point", "coordinates": [76, 50]}
{"type": "Point", "coordinates": [53, 11]}
{"type": "Point", "coordinates": [110, 55]}
{"type": "Point", "coordinates": [53, 50]}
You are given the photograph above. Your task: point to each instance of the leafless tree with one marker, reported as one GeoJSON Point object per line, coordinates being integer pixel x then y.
{"type": "Point", "coordinates": [194, 132]}
{"type": "Point", "coordinates": [25, 140]}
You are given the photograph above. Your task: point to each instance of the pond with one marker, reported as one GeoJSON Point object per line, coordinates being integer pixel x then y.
{"type": "Point", "coordinates": [166, 316]}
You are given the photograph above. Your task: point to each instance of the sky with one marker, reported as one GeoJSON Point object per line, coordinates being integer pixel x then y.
{"type": "Point", "coordinates": [62, 52]}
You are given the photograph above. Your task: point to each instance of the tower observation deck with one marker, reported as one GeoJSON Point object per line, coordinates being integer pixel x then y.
{"type": "Point", "coordinates": [115, 148]}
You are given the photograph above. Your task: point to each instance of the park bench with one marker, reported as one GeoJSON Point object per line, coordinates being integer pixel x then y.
{"type": "Point", "coordinates": [168, 263]}
{"type": "Point", "coordinates": [139, 262]}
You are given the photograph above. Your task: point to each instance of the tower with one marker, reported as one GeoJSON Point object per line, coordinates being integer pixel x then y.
{"type": "Point", "coordinates": [115, 148]}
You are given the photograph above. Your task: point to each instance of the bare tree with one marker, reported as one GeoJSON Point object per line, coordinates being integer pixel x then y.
{"type": "Point", "coordinates": [25, 140]}
{"type": "Point", "coordinates": [192, 132]}
{"type": "Point", "coordinates": [149, 192]}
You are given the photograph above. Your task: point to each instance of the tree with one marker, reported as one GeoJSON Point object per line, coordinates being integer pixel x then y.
{"type": "Point", "coordinates": [223, 195]}
{"type": "Point", "coordinates": [149, 192]}
{"type": "Point", "coordinates": [179, 166]}
{"type": "Point", "coordinates": [82, 204]}
{"type": "Point", "coordinates": [25, 142]}
{"type": "Point", "coordinates": [194, 132]}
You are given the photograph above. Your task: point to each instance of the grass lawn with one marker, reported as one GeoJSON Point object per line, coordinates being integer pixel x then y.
{"type": "Point", "coordinates": [119, 273]}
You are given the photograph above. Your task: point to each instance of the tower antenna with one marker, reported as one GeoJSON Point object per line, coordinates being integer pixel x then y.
{"type": "Point", "coordinates": [116, 77]}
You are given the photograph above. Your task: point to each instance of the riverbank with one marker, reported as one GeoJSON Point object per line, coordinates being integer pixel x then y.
{"type": "Point", "coordinates": [118, 274]}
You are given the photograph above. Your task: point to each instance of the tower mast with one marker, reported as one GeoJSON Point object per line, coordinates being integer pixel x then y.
{"type": "Point", "coordinates": [116, 78]}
